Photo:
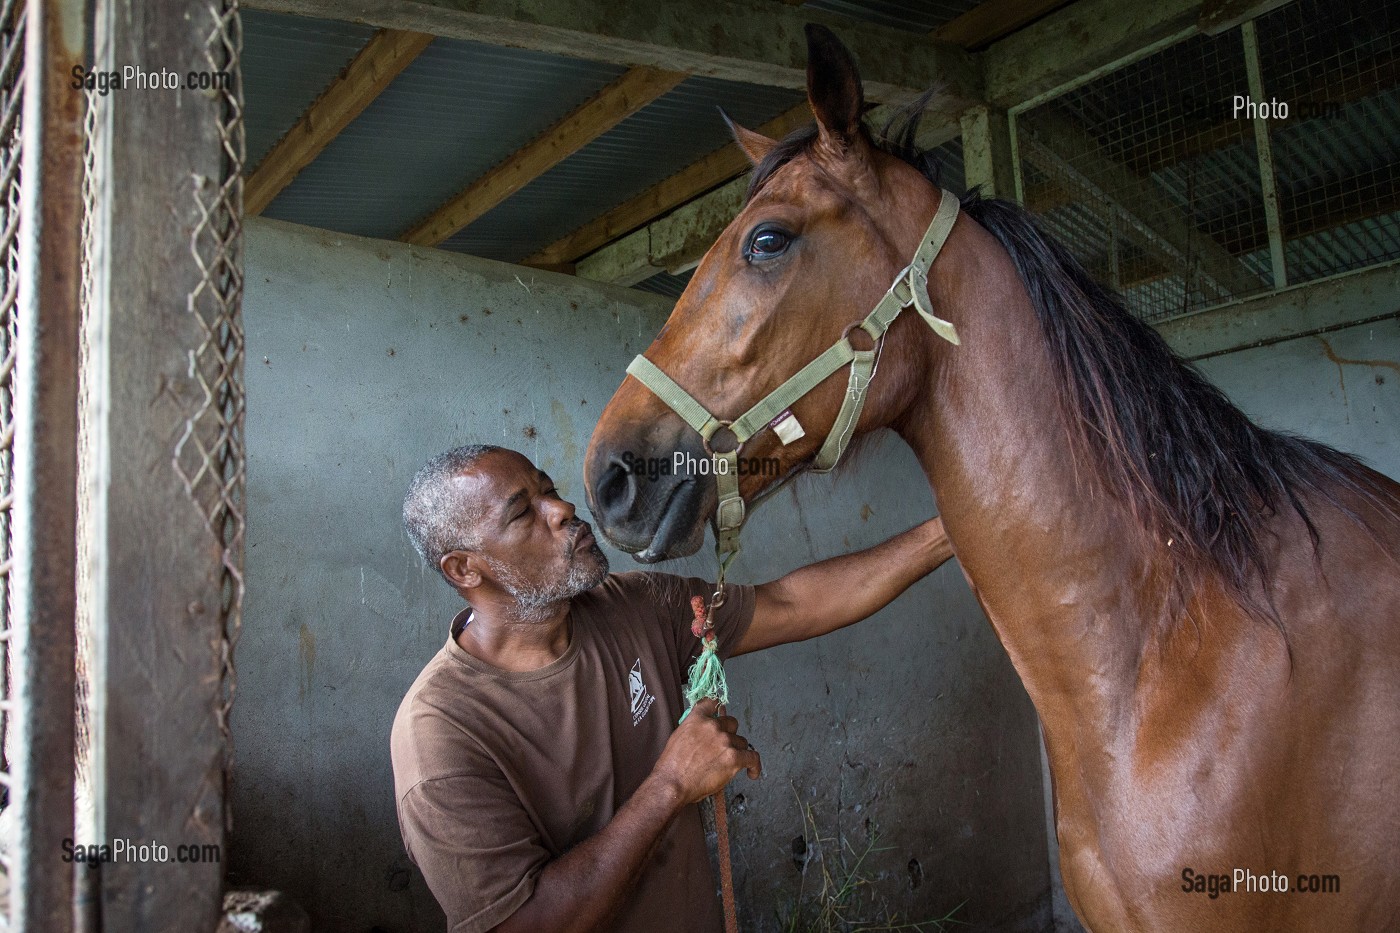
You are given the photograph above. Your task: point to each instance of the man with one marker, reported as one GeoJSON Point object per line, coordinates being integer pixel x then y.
{"type": "Point", "coordinates": [542, 782]}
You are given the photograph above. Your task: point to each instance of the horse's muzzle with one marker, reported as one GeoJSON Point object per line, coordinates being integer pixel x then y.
{"type": "Point", "coordinates": [644, 509]}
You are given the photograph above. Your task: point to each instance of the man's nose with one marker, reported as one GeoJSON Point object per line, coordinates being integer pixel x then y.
{"type": "Point", "coordinates": [563, 511]}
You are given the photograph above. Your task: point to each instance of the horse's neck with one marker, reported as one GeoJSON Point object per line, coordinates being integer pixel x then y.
{"type": "Point", "coordinates": [1054, 560]}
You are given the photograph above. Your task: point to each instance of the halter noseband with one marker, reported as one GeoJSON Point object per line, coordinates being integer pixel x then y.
{"type": "Point", "coordinates": [910, 287]}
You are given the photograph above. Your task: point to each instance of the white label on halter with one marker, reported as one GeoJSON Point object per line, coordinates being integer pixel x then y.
{"type": "Point", "coordinates": [787, 427]}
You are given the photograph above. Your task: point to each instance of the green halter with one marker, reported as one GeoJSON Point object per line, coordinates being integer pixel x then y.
{"type": "Point", "coordinates": [910, 287]}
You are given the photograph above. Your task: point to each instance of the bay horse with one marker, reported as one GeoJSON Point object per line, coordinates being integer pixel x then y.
{"type": "Point", "coordinates": [1205, 613]}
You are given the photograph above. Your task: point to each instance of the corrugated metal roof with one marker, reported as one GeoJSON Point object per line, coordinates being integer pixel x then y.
{"type": "Point", "coordinates": [647, 147]}
{"type": "Point", "coordinates": [1342, 249]}
{"type": "Point", "coordinates": [664, 283]}
{"type": "Point", "coordinates": [287, 62]}
{"type": "Point", "coordinates": [952, 175]}
{"type": "Point", "coordinates": [1356, 139]}
{"type": "Point", "coordinates": [457, 110]}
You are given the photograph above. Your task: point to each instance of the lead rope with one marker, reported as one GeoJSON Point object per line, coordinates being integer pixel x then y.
{"type": "Point", "coordinates": [707, 680]}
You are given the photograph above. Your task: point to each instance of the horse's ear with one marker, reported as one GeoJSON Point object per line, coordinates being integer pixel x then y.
{"type": "Point", "coordinates": [754, 145]}
{"type": "Point", "coordinates": [833, 88]}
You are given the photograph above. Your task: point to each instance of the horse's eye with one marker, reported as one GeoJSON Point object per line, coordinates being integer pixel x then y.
{"type": "Point", "coordinates": [767, 243]}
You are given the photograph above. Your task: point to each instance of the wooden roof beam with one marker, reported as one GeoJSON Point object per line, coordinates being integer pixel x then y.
{"type": "Point", "coordinates": [756, 43]}
{"type": "Point", "coordinates": [993, 19]}
{"type": "Point", "coordinates": [1079, 42]}
{"type": "Point", "coordinates": [600, 113]}
{"type": "Point", "coordinates": [385, 55]}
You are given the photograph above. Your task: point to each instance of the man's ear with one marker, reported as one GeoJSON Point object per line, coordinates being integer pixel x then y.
{"type": "Point", "coordinates": [833, 89]}
{"type": "Point", "coordinates": [460, 568]}
{"type": "Point", "coordinates": [754, 145]}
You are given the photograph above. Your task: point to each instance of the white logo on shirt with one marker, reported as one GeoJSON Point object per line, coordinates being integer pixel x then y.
{"type": "Point", "coordinates": [641, 696]}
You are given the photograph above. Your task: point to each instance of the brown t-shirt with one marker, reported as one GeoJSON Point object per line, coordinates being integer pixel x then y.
{"type": "Point", "coordinates": [497, 773]}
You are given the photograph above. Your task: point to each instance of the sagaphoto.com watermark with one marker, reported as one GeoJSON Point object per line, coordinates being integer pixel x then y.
{"type": "Point", "coordinates": [133, 852]}
{"type": "Point", "coordinates": [1246, 881]}
{"type": "Point", "coordinates": [134, 77]}
{"type": "Point", "coordinates": [681, 463]}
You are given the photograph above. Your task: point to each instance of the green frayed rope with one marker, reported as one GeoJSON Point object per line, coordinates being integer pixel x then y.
{"type": "Point", "coordinates": [706, 674]}
{"type": "Point", "coordinates": [706, 678]}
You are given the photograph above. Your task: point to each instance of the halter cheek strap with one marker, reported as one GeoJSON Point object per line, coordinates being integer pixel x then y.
{"type": "Point", "coordinates": [910, 288]}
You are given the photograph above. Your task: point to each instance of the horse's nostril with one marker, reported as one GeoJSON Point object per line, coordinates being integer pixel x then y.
{"type": "Point", "coordinates": [616, 490]}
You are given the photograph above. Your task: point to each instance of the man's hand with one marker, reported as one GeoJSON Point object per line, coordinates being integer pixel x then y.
{"type": "Point", "coordinates": [583, 889]}
{"type": "Point", "coordinates": [704, 754]}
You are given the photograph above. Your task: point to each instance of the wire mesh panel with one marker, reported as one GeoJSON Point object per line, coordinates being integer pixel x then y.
{"type": "Point", "coordinates": [1155, 177]}
{"type": "Point", "coordinates": [11, 103]}
{"type": "Point", "coordinates": [1146, 176]}
{"type": "Point", "coordinates": [210, 454]}
{"type": "Point", "coordinates": [1337, 154]}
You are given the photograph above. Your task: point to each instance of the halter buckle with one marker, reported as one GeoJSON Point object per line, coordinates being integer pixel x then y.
{"type": "Point", "coordinates": [906, 298]}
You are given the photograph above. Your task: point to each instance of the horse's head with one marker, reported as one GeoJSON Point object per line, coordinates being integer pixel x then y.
{"type": "Point", "coordinates": [829, 222]}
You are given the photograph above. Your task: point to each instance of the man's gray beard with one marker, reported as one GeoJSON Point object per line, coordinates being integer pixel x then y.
{"type": "Point", "coordinates": [536, 601]}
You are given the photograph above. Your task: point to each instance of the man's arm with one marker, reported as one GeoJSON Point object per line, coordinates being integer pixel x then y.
{"type": "Point", "coordinates": [583, 889]}
{"type": "Point", "coordinates": [832, 594]}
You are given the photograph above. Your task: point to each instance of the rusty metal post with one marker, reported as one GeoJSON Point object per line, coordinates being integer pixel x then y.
{"type": "Point", "coordinates": [46, 436]}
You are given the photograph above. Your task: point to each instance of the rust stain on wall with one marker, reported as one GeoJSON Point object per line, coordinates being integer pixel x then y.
{"type": "Point", "coordinates": [1341, 361]}
{"type": "Point", "coordinates": [308, 659]}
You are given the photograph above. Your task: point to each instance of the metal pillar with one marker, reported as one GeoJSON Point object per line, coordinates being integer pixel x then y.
{"type": "Point", "coordinates": [1266, 156]}
{"type": "Point", "coordinates": [45, 466]}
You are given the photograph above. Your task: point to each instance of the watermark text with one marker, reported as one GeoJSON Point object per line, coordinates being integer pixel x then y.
{"type": "Point", "coordinates": [129, 851]}
{"type": "Point", "coordinates": [685, 464]}
{"type": "Point", "coordinates": [134, 77]}
{"type": "Point", "coordinates": [1246, 881]}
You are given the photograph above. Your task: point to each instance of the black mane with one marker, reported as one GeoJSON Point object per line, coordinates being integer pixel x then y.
{"type": "Point", "coordinates": [1192, 468]}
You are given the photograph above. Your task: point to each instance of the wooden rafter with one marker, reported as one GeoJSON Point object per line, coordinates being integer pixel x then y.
{"type": "Point", "coordinates": [993, 19]}
{"type": "Point", "coordinates": [671, 244]}
{"type": "Point", "coordinates": [386, 54]}
{"type": "Point", "coordinates": [665, 196]}
{"type": "Point", "coordinates": [600, 113]}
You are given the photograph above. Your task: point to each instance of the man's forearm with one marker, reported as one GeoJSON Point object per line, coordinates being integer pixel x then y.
{"type": "Point", "coordinates": [583, 889]}
{"type": "Point", "coordinates": [834, 593]}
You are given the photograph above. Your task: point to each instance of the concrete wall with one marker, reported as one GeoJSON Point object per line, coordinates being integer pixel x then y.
{"type": "Point", "coordinates": [910, 731]}
{"type": "Point", "coordinates": [1341, 387]}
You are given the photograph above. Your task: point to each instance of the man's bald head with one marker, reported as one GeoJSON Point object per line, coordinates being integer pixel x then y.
{"type": "Point", "coordinates": [438, 512]}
